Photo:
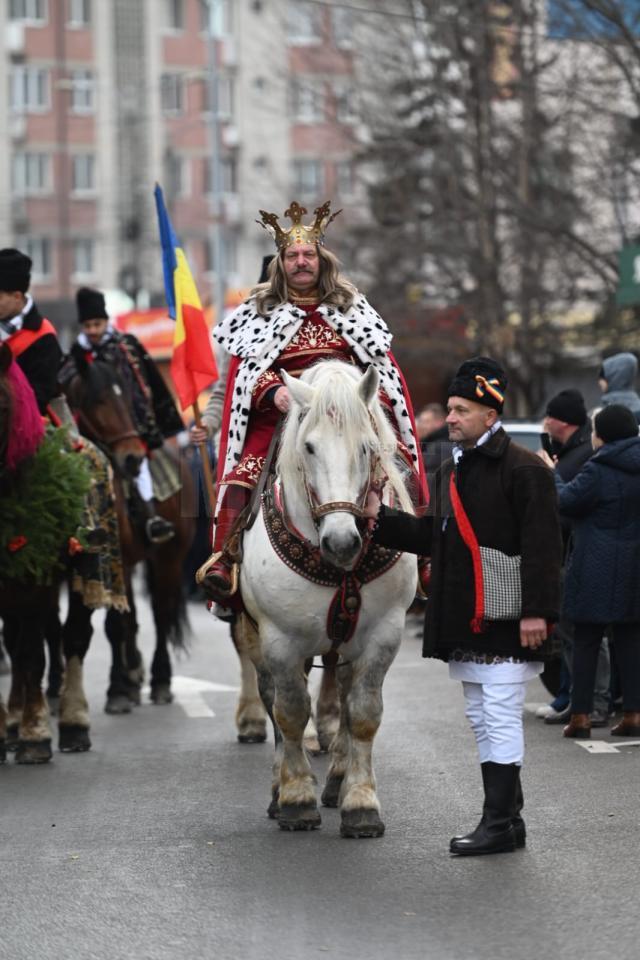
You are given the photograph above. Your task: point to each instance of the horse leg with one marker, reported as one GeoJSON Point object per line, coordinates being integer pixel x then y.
{"type": "Point", "coordinates": [340, 744]}
{"type": "Point", "coordinates": [327, 707]}
{"type": "Point", "coordinates": [3, 731]}
{"type": "Point", "coordinates": [24, 634]}
{"type": "Point", "coordinates": [250, 641]}
{"type": "Point", "coordinates": [134, 665]}
{"type": "Point", "coordinates": [73, 724]}
{"type": "Point", "coordinates": [16, 693]}
{"type": "Point", "coordinates": [297, 802]}
{"type": "Point", "coordinates": [163, 598]}
{"type": "Point", "coordinates": [118, 700]}
{"type": "Point", "coordinates": [310, 740]}
{"type": "Point", "coordinates": [359, 807]}
{"type": "Point", "coordinates": [53, 638]}
{"type": "Point", "coordinates": [250, 712]}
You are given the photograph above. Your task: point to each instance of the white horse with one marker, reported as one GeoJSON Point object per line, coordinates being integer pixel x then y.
{"type": "Point", "coordinates": [336, 442]}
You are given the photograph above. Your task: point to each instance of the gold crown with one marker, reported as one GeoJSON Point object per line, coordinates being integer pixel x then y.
{"type": "Point", "coordinates": [298, 232]}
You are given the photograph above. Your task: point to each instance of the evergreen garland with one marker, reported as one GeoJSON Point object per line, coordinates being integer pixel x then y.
{"type": "Point", "coordinates": [41, 506]}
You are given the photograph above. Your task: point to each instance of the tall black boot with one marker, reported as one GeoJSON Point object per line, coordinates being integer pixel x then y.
{"type": "Point", "coordinates": [519, 828]}
{"type": "Point", "coordinates": [495, 832]}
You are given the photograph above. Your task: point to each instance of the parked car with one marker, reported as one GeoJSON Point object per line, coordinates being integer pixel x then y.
{"type": "Point", "coordinates": [525, 432]}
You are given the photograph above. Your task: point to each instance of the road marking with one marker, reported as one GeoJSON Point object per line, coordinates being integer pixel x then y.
{"type": "Point", "coordinates": [188, 694]}
{"type": "Point", "coordinates": [601, 746]}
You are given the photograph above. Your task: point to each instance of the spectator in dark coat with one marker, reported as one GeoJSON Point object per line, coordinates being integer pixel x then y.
{"type": "Point", "coordinates": [617, 382]}
{"type": "Point", "coordinates": [569, 429]}
{"type": "Point", "coordinates": [490, 501]}
{"type": "Point", "coordinates": [433, 433]}
{"type": "Point", "coordinates": [603, 576]}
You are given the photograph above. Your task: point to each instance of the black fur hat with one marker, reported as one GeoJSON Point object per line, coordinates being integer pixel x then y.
{"type": "Point", "coordinates": [90, 305]}
{"type": "Point", "coordinates": [15, 270]}
{"type": "Point", "coordinates": [615, 422]}
{"type": "Point", "coordinates": [482, 380]}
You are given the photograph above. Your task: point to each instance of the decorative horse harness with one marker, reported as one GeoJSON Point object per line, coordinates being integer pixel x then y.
{"type": "Point", "coordinates": [305, 559]}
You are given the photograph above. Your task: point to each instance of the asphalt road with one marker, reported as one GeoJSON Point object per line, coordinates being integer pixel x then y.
{"type": "Point", "coordinates": [155, 845]}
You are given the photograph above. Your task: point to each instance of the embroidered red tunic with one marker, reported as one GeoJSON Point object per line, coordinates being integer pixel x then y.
{"type": "Point", "coordinates": [314, 341]}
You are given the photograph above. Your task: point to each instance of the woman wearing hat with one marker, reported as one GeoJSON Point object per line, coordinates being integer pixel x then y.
{"type": "Point", "coordinates": [602, 586]}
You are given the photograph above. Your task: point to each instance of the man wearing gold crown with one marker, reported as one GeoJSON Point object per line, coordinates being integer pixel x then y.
{"type": "Point", "coordinates": [306, 312]}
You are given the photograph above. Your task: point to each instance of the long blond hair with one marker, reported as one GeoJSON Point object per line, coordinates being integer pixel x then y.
{"type": "Point", "coordinates": [333, 289]}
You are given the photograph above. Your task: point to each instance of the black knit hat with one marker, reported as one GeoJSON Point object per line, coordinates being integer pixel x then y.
{"type": "Point", "coordinates": [568, 406]}
{"type": "Point", "coordinates": [615, 422]}
{"type": "Point", "coordinates": [90, 305]}
{"type": "Point", "coordinates": [15, 270]}
{"type": "Point", "coordinates": [482, 380]}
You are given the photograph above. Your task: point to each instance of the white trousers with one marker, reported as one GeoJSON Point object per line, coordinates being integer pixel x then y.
{"type": "Point", "coordinates": [143, 481]}
{"type": "Point", "coordinates": [494, 711]}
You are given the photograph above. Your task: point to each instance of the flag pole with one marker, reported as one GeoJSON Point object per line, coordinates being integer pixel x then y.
{"type": "Point", "coordinates": [206, 463]}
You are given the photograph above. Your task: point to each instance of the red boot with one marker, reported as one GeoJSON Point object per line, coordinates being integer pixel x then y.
{"type": "Point", "coordinates": [218, 577]}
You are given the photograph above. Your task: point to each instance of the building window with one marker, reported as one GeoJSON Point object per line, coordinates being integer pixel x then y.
{"type": "Point", "coordinates": [342, 26]}
{"type": "Point", "coordinates": [230, 254]}
{"type": "Point", "coordinates": [83, 173]}
{"type": "Point", "coordinates": [32, 11]}
{"type": "Point", "coordinates": [223, 17]}
{"type": "Point", "coordinates": [308, 179]}
{"type": "Point", "coordinates": [304, 23]}
{"type": "Point", "coordinates": [29, 89]}
{"type": "Point", "coordinates": [175, 14]}
{"type": "Point", "coordinates": [83, 257]}
{"type": "Point", "coordinates": [79, 13]}
{"type": "Point", "coordinates": [39, 249]}
{"type": "Point", "coordinates": [31, 173]}
{"type": "Point", "coordinates": [172, 93]}
{"type": "Point", "coordinates": [82, 86]}
{"type": "Point", "coordinates": [346, 105]}
{"type": "Point", "coordinates": [345, 178]}
{"type": "Point", "coordinates": [308, 103]}
{"type": "Point", "coordinates": [228, 175]}
{"type": "Point", "coordinates": [178, 184]}
{"type": "Point", "coordinates": [226, 92]}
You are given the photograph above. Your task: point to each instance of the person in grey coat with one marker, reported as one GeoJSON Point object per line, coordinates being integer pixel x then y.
{"type": "Point", "coordinates": [602, 585]}
{"type": "Point", "coordinates": [617, 380]}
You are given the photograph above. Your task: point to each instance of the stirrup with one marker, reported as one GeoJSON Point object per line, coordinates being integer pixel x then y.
{"type": "Point", "coordinates": [167, 532]}
{"type": "Point", "coordinates": [201, 573]}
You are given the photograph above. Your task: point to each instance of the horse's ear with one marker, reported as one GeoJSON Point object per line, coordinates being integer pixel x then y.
{"type": "Point", "coordinates": [301, 393]}
{"type": "Point", "coordinates": [368, 386]}
{"type": "Point", "coordinates": [79, 358]}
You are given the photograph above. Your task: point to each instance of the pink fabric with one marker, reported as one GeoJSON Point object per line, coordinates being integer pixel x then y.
{"type": "Point", "coordinates": [27, 429]}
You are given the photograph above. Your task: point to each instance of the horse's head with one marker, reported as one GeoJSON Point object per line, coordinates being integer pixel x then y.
{"type": "Point", "coordinates": [97, 395]}
{"type": "Point", "coordinates": [331, 440]}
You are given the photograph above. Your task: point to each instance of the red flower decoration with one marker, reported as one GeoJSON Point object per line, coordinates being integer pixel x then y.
{"type": "Point", "coordinates": [16, 543]}
{"type": "Point", "coordinates": [74, 546]}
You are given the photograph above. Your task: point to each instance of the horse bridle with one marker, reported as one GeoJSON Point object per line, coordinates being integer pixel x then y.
{"type": "Point", "coordinates": [320, 510]}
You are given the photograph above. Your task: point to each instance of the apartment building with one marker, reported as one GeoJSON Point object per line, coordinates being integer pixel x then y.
{"type": "Point", "coordinates": [99, 99]}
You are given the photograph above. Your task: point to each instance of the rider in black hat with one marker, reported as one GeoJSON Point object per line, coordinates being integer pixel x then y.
{"type": "Point", "coordinates": [152, 407]}
{"type": "Point", "coordinates": [32, 340]}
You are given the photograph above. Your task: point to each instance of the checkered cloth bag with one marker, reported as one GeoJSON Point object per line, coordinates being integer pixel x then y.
{"type": "Point", "coordinates": [502, 586]}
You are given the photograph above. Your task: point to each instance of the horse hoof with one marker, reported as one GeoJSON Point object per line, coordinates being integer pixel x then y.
{"type": "Point", "coordinates": [54, 705]}
{"type": "Point", "coordinates": [161, 694]}
{"type": "Point", "coordinates": [34, 751]}
{"type": "Point", "coordinates": [134, 696]}
{"type": "Point", "coordinates": [312, 746]}
{"type": "Point", "coordinates": [11, 742]}
{"type": "Point", "coordinates": [298, 817]}
{"type": "Point", "coordinates": [252, 736]}
{"type": "Point", "coordinates": [73, 738]}
{"type": "Point", "coordinates": [361, 823]}
{"type": "Point", "coordinates": [331, 793]}
{"type": "Point", "coordinates": [117, 705]}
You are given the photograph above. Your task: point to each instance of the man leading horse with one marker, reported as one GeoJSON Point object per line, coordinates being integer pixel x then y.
{"type": "Point", "coordinates": [307, 311]}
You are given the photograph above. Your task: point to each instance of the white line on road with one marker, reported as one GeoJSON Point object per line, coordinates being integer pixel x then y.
{"type": "Point", "coordinates": [188, 694]}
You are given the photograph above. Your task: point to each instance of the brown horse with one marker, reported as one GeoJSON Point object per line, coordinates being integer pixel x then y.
{"type": "Point", "coordinates": [98, 398]}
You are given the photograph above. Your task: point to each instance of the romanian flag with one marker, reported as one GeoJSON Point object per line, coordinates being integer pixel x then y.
{"type": "Point", "coordinates": [193, 365]}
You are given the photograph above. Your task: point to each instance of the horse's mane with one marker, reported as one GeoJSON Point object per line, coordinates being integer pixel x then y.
{"type": "Point", "coordinates": [335, 398]}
